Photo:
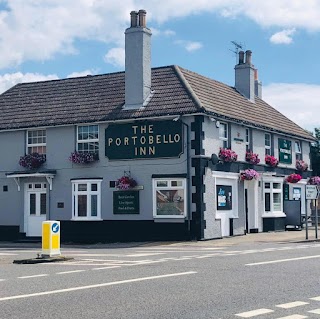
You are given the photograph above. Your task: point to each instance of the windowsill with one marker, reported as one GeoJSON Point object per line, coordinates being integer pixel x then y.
{"type": "Point", "coordinates": [169, 217]}
{"type": "Point", "coordinates": [136, 188]}
{"type": "Point", "coordinates": [86, 219]}
{"type": "Point", "coordinates": [273, 215]}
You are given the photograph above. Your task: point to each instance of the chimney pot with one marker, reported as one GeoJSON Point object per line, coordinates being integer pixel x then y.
{"type": "Point", "coordinates": [142, 18]}
{"type": "Point", "coordinates": [134, 18]}
{"type": "Point", "coordinates": [248, 57]}
{"type": "Point", "coordinates": [241, 57]}
{"type": "Point", "coordinates": [256, 74]}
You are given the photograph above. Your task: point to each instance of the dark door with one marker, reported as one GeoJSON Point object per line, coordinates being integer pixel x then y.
{"type": "Point", "coordinates": [246, 210]}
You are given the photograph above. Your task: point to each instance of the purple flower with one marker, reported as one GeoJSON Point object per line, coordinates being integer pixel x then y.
{"type": "Point", "coordinates": [293, 178]}
{"type": "Point", "coordinates": [249, 174]}
{"type": "Point", "coordinates": [83, 158]}
{"type": "Point", "coordinates": [32, 161]}
{"type": "Point", "coordinates": [314, 180]}
{"type": "Point", "coordinates": [252, 158]}
{"type": "Point", "coordinates": [125, 182]}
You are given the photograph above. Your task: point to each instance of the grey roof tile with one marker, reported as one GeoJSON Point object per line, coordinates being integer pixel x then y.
{"type": "Point", "coordinates": [101, 97]}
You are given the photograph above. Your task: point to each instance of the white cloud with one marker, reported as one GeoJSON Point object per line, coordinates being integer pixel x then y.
{"type": "Point", "coordinates": [299, 102]}
{"type": "Point", "coordinates": [283, 37]}
{"type": "Point", "coordinates": [190, 46]}
{"type": "Point", "coordinates": [38, 30]}
{"type": "Point", "coordinates": [81, 73]}
{"type": "Point", "coordinates": [158, 32]}
{"type": "Point", "coordinates": [8, 80]}
{"type": "Point", "coordinates": [116, 57]}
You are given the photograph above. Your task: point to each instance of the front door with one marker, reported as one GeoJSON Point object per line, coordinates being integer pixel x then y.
{"type": "Point", "coordinates": [35, 208]}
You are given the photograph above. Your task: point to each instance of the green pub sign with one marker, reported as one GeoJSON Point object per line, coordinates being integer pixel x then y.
{"type": "Point", "coordinates": [126, 202]}
{"type": "Point", "coordinates": [144, 140]}
{"type": "Point", "coordinates": [285, 153]}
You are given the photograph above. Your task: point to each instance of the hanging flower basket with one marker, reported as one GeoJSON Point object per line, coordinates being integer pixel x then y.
{"type": "Point", "coordinates": [126, 182]}
{"type": "Point", "coordinates": [293, 178]}
{"type": "Point", "coordinates": [249, 174]}
{"type": "Point", "coordinates": [314, 180]}
{"type": "Point", "coordinates": [83, 158]}
{"type": "Point", "coordinates": [301, 166]}
{"type": "Point", "coordinates": [252, 158]}
{"type": "Point", "coordinates": [32, 161]}
{"type": "Point", "coordinates": [271, 161]}
{"type": "Point", "coordinates": [226, 155]}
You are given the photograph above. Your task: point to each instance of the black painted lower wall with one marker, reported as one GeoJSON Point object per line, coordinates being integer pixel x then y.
{"type": "Point", "coordinates": [121, 231]}
{"type": "Point", "coordinates": [8, 233]}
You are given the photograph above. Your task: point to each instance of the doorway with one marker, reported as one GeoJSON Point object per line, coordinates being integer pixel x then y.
{"type": "Point", "coordinates": [35, 208]}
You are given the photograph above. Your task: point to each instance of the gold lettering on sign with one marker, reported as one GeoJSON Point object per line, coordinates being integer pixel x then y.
{"type": "Point", "coordinates": [143, 129]}
{"type": "Point", "coordinates": [151, 139]}
{"type": "Point", "coordinates": [158, 137]}
{"type": "Point", "coordinates": [150, 129]}
{"type": "Point", "coordinates": [126, 141]}
{"type": "Point", "coordinates": [134, 127]}
{"type": "Point", "coordinates": [143, 140]}
{"type": "Point", "coordinates": [177, 138]}
{"type": "Point", "coordinates": [118, 141]}
{"type": "Point", "coordinates": [110, 140]}
{"type": "Point", "coordinates": [134, 139]}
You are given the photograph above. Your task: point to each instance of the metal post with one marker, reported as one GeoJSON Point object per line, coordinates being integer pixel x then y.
{"type": "Point", "coordinates": [316, 228]}
{"type": "Point", "coordinates": [306, 218]}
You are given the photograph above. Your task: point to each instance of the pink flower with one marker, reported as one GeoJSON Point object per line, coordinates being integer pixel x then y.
{"type": "Point", "coordinates": [125, 182]}
{"type": "Point", "coordinates": [314, 180]}
{"type": "Point", "coordinates": [252, 158]}
{"type": "Point", "coordinates": [293, 178]}
{"type": "Point", "coordinates": [301, 165]}
{"type": "Point", "coordinates": [271, 161]}
{"type": "Point", "coordinates": [227, 155]}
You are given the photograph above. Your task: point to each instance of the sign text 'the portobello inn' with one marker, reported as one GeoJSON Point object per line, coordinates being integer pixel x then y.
{"type": "Point", "coordinates": [152, 139]}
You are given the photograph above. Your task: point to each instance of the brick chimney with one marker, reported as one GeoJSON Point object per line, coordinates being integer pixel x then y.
{"type": "Point", "coordinates": [137, 62]}
{"type": "Point", "coordinates": [244, 76]}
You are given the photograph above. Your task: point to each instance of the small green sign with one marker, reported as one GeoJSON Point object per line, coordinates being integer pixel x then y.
{"type": "Point", "coordinates": [151, 139]}
{"type": "Point", "coordinates": [285, 152]}
{"type": "Point", "coordinates": [285, 192]}
{"type": "Point", "coordinates": [126, 202]}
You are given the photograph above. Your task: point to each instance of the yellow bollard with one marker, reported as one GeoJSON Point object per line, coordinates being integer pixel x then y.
{"type": "Point", "coordinates": [51, 238]}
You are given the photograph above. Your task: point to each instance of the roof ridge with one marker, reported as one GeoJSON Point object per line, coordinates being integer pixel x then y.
{"type": "Point", "coordinates": [186, 84]}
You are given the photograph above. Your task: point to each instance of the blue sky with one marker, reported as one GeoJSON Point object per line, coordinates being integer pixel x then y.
{"type": "Point", "coordinates": [50, 39]}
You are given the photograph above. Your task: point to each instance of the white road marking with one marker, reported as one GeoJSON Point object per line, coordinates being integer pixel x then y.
{"type": "Point", "coordinates": [101, 268]}
{"type": "Point", "coordinates": [70, 272]}
{"type": "Point", "coordinates": [282, 260]}
{"type": "Point", "coordinates": [315, 298]}
{"type": "Point", "coordinates": [292, 304]}
{"type": "Point", "coordinates": [254, 313]}
{"type": "Point", "coordinates": [34, 276]}
{"type": "Point", "coordinates": [144, 254]}
{"type": "Point", "coordinates": [294, 317]}
{"type": "Point", "coordinates": [2, 280]}
{"type": "Point", "coordinates": [8, 254]}
{"type": "Point", "coordinates": [120, 282]}
{"type": "Point", "coordinates": [316, 311]}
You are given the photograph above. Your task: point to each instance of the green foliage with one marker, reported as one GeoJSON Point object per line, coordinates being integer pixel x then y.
{"type": "Point", "coordinates": [315, 153]}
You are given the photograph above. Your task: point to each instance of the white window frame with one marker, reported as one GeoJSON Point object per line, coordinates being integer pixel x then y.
{"type": "Point", "coordinates": [266, 146]}
{"type": "Point", "coordinates": [223, 137]}
{"type": "Point", "coordinates": [247, 139]}
{"type": "Point", "coordinates": [88, 193]}
{"type": "Point", "coordinates": [88, 140]}
{"type": "Point", "coordinates": [271, 191]}
{"type": "Point", "coordinates": [30, 146]}
{"type": "Point", "coordinates": [298, 150]}
{"type": "Point", "coordinates": [169, 187]}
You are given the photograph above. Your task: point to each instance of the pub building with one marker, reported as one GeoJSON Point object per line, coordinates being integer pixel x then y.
{"type": "Point", "coordinates": [148, 154]}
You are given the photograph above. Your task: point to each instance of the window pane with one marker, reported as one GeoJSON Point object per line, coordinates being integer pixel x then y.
{"type": "Point", "coordinates": [43, 204]}
{"type": "Point", "coordinates": [94, 187]}
{"type": "Point", "coordinates": [297, 147]}
{"type": "Point", "coordinates": [176, 183]}
{"type": "Point", "coordinates": [32, 204]}
{"type": "Point", "coordinates": [162, 183]}
{"type": "Point", "coordinates": [267, 202]}
{"type": "Point", "coordinates": [276, 202]}
{"type": "Point", "coordinates": [94, 205]}
{"type": "Point", "coordinates": [267, 185]}
{"type": "Point", "coordinates": [267, 140]}
{"type": "Point", "coordinates": [268, 151]}
{"type": "Point", "coordinates": [82, 187]}
{"type": "Point", "coordinates": [170, 202]}
{"type": "Point", "coordinates": [82, 205]}
{"type": "Point", "coordinates": [37, 186]}
{"type": "Point", "coordinates": [276, 185]}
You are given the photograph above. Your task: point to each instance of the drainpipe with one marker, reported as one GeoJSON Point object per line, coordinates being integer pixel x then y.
{"type": "Point", "coordinates": [188, 180]}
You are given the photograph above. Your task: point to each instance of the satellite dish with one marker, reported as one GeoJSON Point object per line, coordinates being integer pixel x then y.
{"type": "Point", "coordinates": [214, 159]}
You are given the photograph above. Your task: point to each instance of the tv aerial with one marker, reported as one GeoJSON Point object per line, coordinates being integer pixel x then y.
{"type": "Point", "coordinates": [237, 47]}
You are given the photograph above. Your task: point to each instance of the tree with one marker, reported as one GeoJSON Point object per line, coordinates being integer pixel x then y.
{"type": "Point", "coordinates": [315, 153]}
